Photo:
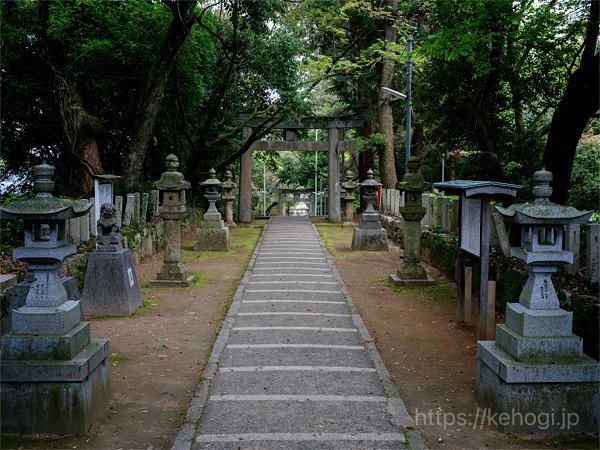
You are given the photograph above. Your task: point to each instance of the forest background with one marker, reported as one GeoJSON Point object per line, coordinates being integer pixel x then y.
{"type": "Point", "coordinates": [500, 87]}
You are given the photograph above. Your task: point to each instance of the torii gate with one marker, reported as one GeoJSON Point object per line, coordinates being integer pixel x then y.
{"type": "Point", "coordinates": [335, 144]}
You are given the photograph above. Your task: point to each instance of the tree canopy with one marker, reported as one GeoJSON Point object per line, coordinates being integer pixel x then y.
{"type": "Point", "coordinates": [113, 87]}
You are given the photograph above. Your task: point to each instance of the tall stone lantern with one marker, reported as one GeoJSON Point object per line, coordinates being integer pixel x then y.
{"type": "Point", "coordinates": [536, 367]}
{"type": "Point", "coordinates": [213, 235]}
{"type": "Point", "coordinates": [228, 197]}
{"type": "Point", "coordinates": [54, 377]}
{"type": "Point", "coordinates": [349, 186]}
{"type": "Point", "coordinates": [411, 272]}
{"type": "Point", "coordinates": [171, 201]}
{"type": "Point", "coordinates": [370, 235]}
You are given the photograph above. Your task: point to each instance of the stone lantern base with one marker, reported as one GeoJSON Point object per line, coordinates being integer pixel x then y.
{"type": "Point", "coordinates": [172, 275]}
{"type": "Point", "coordinates": [370, 235]}
{"type": "Point", "coordinates": [53, 383]}
{"type": "Point", "coordinates": [213, 235]}
{"type": "Point", "coordinates": [537, 397]}
{"type": "Point", "coordinates": [412, 276]}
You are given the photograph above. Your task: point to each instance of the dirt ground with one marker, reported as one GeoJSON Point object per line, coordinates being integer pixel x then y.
{"type": "Point", "coordinates": [157, 354]}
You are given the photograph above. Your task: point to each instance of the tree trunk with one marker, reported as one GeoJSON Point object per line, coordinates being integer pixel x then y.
{"type": "Point", "coordinates": [385, 118]}
{"type": "Point", "coordinates": [579, 102]}
{"type": "Point", "coordinates": [183, 20]}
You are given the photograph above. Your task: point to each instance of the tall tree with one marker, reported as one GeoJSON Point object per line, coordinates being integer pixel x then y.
{"type": "Point", "coordinates": [580, 101]}
{"type": "Point", "coordinates": [494, 73]}
{"type": "Point", "coordinates": [385, 118]}
{"type": "Point", "coordinates": [183, 18]}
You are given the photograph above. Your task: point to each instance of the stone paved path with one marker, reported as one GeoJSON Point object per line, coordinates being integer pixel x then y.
{"type": "Point", "coordinates": [294, 366]}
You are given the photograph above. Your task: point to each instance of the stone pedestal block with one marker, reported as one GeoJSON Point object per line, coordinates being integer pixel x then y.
{"type": "Point", "coordinates": [111, 286]}
{"type": "Point", "coordinates": [370, 239]}
{"type": "Point", "coordinates": [19, 293]}
{"type": "Point", "coordinates": [212, 239]}
{"type": "Point", "coordinates": [55, 396]}
{"type": "Point", "coordinates": [537, 397]}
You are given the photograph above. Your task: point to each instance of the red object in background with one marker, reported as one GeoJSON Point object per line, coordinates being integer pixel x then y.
{"type": "Point", "coordinates": [378, 195]}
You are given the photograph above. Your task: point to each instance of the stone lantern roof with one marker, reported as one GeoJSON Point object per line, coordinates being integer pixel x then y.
{"type": "Point", "coordinates": [542, 210]}
{"type": "Point", "coordinates": [44, 206]}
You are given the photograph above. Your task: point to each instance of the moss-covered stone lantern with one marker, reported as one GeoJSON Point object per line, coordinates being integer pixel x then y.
{"type": "Point", "coordinates": [411, 272]}
{"type": "Point", "coordinates": [171, 207]}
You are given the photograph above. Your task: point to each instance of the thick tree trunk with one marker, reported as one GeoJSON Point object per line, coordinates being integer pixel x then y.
{"type": "Point", "coordinates": [385, 118]}
{"type": "Point", "coordinates": [579, 102]}
{"type": "Point", "coordinates": [183, 20]}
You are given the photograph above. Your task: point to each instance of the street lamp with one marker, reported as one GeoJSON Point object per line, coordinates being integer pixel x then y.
{"type": "Point", "coordinates": [396, 94]}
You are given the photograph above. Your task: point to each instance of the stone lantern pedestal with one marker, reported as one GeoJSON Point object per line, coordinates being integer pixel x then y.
{"type": "Point", "coordinates": [534, 374]}
{"type": "Point", "coordinates": [349, 186]}
{"type": "Point", "coordinates": [54, 377]}
{"type": "Point", "coordinates": [213, 234]}
{"type": "Point", "coordinates": [228, 197]}
{"type": "Point", "coordinates": [171, 188]}
{"type": "Point", "coordinates": [411, 272]}
{"type": "Point", "coordinates": [370, 235]}
{"type": "Point", "coordinates": [111, 287]}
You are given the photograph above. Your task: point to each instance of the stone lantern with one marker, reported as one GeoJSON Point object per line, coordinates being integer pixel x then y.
{"type": "Point", "coordinates": [536, 365]}
{"type": "Point", "coordinates": [213, 235]}
{"type": "Point", "coordinates": [411, 272]}
{"type": "Point", "coordinates": [349, 186]}
{"type": "Point", "coordinates": [228, 197]}
{"type": "Point", "coordinates": [370, 235]}
{"type": "Point", "coordinates": [171, 201]}
{"type": "Point", "coordinates": [54, 377]}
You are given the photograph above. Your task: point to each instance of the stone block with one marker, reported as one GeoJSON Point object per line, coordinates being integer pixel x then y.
{"type": "Point", "coordinates": [111, 286]}
{"type": "Point", "coordinates": [572, 238]}
{"type": "Point", "coordinates": [375, 240]}
{"type": "Point", "coordinates": [582, 370]}
{"type": "Point", "coordinates": [212, 239]}
{"type": "Point", "coordinates": [129, 205]}
{"type": "Point", "coordinates": [137, 204]}
{"type": "Point", "coordinates": [51, 347]}
{"type": "Point", "coordinates": [592, 253]}
{"type": "Point", "coordinates": [19, 293]}
{"type": "Point", "coordinates": [55, 397]}
{"type": "Point", "coordinates": [542, 349]}
{"type": "Point", "coordinates": [144, 213]}
{"type": "Point", "coordinates": [119, 209]}
{"type": "Point", "coordinates": [541, 406]}
{"type": "Point", "coordinates": [538, 322]}
{"type": "Point", "coordinates": [43, 320]}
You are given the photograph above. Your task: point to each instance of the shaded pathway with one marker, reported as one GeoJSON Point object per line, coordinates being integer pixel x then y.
{"type": "Point", "coordinates": [294, 365]}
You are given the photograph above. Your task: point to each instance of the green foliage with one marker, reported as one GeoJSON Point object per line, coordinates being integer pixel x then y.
{"type": "Point", "coordinates": [491, 73]}
{"type": "Point", "coordinates": [584, 193]}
